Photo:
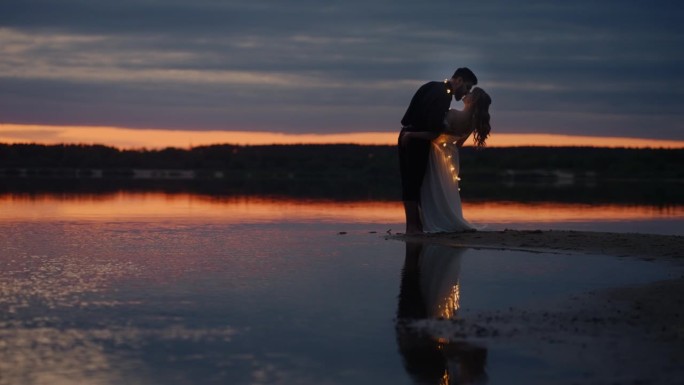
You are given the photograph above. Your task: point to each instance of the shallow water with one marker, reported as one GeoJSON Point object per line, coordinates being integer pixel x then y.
{"type": "Point", "coordinates": [140, 292]}
{"type": "Point", "coordinates": [124, 206]}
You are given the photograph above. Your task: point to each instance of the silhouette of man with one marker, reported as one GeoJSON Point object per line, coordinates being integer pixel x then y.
{"type": "Point", "coordinates": [424, 121]}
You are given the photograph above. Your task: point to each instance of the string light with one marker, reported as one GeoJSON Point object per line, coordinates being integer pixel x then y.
{"type": "Point", "coordinates": [452, 168]}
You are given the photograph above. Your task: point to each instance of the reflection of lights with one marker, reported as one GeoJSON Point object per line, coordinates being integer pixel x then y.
{"type": "Point", "coordinates": [184, 206]}
{"type": "Point", "coordinates": [445, 378]}
{"type": "Point", "coordinates": [138, 205]}
{"type": "Point", "coordinates": [451, 304]}
{"type": "Point", "coordinates": [444, 144]}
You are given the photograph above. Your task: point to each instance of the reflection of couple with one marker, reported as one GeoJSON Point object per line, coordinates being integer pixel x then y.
{"type": "Point", "coordinates": [430, 289]}
{"type": "Point", "coordinates": [428, 151]}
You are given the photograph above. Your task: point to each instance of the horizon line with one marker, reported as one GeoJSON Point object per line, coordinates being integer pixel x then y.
{"type": "Point", "coordinates": [130, 138]}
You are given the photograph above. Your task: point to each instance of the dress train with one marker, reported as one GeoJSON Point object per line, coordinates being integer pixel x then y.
{"type": "Point", "coordinates": [440, 197]}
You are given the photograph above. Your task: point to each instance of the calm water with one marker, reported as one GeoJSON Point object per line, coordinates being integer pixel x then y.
{"type": "Point", "coordinates": [151, 288]}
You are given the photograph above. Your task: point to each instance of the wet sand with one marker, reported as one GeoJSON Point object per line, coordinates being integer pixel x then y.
{"type": "Point", "coordinates": [622, 335]}
{"type": "Point", "coordinates": [645, 246]}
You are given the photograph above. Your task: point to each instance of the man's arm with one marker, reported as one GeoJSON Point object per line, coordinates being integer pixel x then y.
{"type": "Point", "coordinates": [460, 142]}
{"type": "Point", "coordinates": [419, 135]}
{"type": "Point", "coordinates": [436, 109]}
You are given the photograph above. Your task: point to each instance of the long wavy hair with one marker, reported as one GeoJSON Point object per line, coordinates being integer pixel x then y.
{"type": "Point", "coordinates": [480, 116]}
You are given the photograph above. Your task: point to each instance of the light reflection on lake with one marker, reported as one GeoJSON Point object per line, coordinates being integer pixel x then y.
{"type": "Point", "coordinates": [149, 288]}
{"type": "Point", "coordinates": [254, 209]}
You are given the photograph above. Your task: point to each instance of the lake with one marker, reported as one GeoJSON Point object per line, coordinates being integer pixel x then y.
{"type": "Point", "coordinates": [150, 287]}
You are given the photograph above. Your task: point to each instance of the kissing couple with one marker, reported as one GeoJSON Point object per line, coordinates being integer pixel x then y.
{"type": "Point", "coordinates": [430, 137]}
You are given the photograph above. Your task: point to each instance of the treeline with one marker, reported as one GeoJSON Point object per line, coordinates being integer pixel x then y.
{"type": "Point", "coordinates": [603, 163]}
{"type": "Point", "coordinates": [321, 162]}
{"type": "Point", "coordinates": [231, 161]}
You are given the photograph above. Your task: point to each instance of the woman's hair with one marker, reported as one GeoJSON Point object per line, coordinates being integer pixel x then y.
{"type": "Point", "coordinates": [480, 117]}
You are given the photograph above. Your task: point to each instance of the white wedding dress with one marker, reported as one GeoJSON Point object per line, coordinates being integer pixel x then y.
{"type": "Point", "coordinates": [440, 197]}
{"type": "Point", "coordinates": [440, 268]}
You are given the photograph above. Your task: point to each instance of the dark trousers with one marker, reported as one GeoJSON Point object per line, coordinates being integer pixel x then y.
{"type": "Point", "coordinates": [413, 160]}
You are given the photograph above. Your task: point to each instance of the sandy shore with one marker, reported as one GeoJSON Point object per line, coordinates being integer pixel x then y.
{"type": "Point", "coordinates": [623, 335]}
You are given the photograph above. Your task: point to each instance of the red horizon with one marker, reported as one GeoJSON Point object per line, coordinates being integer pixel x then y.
{"type": "Point", "coordinates": [128, 138]}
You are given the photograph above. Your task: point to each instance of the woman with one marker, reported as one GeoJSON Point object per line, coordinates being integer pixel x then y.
{"type": "Point", "coordinates": [440, 199]}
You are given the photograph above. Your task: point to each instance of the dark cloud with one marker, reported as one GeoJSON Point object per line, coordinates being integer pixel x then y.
{"type": "Point", "coordinates": [608, 68]}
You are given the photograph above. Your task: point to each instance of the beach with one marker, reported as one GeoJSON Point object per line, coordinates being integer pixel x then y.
{"type": "Point", "coordinates": [631, 334]}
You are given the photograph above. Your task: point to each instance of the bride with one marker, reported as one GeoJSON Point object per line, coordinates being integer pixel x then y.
{"type": "Point", "coordinates": [440, 198]}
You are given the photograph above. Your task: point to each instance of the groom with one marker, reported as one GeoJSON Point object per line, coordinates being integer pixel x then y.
{"type": "Point", "coordinates": [423, 121]}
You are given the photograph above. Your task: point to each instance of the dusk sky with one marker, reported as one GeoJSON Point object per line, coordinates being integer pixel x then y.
{"type": "Point", "coordinates": [608, 68]}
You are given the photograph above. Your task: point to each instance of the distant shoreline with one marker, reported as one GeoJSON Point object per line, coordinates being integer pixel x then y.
{"type": "Point", "coordinates": [374, 164]}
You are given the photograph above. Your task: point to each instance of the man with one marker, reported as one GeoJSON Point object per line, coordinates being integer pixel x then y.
{"type": "Point", "coordinates": [423, 121]}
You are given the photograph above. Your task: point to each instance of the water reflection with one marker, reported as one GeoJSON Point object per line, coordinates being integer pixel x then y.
{"type": "Point", "coordinates": [430, 289]}
{"type": "Point", "coordinates": [127, 205]}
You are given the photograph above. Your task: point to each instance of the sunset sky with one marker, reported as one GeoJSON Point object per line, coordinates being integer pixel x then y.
{"type": "Point", "coordinates": [150, 73]}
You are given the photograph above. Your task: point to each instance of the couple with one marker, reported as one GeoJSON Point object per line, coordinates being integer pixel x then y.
{"type": "Point", "coordinates": [430, 137]}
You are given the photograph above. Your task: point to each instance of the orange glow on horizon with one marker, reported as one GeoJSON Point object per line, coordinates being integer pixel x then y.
{"type": "Point", "coordinates": [127, 138]}
{"type": "Point", "coordinates": [244, 209]}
